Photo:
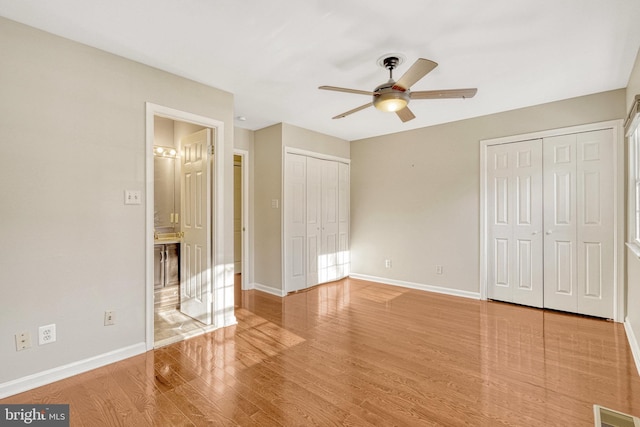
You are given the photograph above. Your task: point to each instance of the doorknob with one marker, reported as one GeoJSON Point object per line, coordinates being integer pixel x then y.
{"type": "Point", "coordinates": [549, 232]}
{"type": "Point", "coordinates": [535, 233]}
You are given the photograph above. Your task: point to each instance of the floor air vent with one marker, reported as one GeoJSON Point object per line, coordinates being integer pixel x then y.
{"type": "Point", "coordinates": [605, 417]}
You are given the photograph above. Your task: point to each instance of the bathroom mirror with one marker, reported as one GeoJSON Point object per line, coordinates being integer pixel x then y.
{"type": "Point", "coordinates": [164, 214]}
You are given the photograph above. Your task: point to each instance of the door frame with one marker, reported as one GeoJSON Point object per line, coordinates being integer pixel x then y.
{"type": "Point", "coordinates": [246, 266]}
{"type": "Point", "coordinates": [218, 309]}
{"type": "Point", "coordinates": [618, 202]}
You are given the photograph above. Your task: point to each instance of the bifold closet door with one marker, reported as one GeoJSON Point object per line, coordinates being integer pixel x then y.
{"type": "Point", "coordinates": [514, 222]}
{"type": "Point", "coordinates": [316, 221]}
{"type": "Point", "coordinates": [295, 234]}
{"type": "Point", "coordinates": [578, 200]}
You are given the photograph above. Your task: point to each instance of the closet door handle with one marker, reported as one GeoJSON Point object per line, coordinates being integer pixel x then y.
{"type": "Point", "coordinates": [535, 233]}
{"type": "Point", "coordinates": [548, 232]}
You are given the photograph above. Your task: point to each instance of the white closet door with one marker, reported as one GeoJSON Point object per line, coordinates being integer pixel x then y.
{"type": "Point", "coordinates": [560, 248]}
{"type": "Point", "coordinates": [295, 222]}
{"type": "Point", "coordinates": [514, 177]}
{"type": "Point", "coordinates": [595, 223]}
{"type": "Point", "coordinates": [316, 221]}
{"type": "Point", "coordinates": [313, 221]}
{"type": "Point", "coordinates": [579, 223]}
{"type": "Point", "coordinates": [328, 269]}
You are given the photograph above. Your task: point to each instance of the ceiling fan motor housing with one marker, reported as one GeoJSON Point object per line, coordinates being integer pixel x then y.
{"type": "Point", "coordinates": [386, 98]}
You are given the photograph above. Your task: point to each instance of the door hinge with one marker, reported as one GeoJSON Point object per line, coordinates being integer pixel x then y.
{"type": "Point", "coordinates": [211, 150]}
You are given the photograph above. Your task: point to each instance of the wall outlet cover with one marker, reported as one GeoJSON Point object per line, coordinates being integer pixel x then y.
{"type": "Point", "coordinates": [47, 334]}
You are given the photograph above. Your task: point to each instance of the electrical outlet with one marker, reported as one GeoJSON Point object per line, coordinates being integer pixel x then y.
{"type": "Point", "coordinates": [387, 263]}
{"type": "Point", "coordinates": [23, 341]}
{"type": "Point", "coordinates": [47, 334]}
{"type": "Point", "coordinates": [439, 269]}
{"type": "Point", "coordinates": [109, 318]}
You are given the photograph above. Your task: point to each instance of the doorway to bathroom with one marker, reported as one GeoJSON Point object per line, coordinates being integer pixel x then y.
{"type": "Point", "coordinates": [185, 286]}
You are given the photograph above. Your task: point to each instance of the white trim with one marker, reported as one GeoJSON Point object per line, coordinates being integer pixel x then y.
{"type": "Point", "coordinates": [418, 286]}
{"type": "Point", "coordinates": [633, 343]}
{"type": "Point", "coordinates": [268, 289]}
{"type": "Point", "coordinates": [246, 266]}
{"type": "Point", "coordinates": [49, 376]}
{"type": "Point", "coordinates": [222, 313]}
{"type": "Point", "coordinates": [618, 208]}
{"type": "Point", "coordinates": [293, 150]}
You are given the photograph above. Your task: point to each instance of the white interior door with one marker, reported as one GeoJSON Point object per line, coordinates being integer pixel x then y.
{"type": "Point", "coordinates": [295, 222]}
{"type": "Point", "coordinates": [195, 249]}
{"type": "Point", "coordinates": [514, 215]}
{"type": "Point", "coordinates": [579, 223]}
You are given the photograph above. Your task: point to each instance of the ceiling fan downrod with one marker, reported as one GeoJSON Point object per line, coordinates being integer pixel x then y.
{"type": "Point", "coordinates": [390, 63]}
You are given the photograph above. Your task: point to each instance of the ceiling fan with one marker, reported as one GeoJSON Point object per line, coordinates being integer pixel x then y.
{"type": "Point", "coordinates": [394, 96]}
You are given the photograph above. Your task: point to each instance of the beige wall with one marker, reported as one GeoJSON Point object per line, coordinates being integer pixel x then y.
{"type": "Point", "coordinates": [268, 224]}
{"type": "Point", "coordinates": [415, 195]}
{"type": "Point", "coordinates": [633, 263]}
{"type": "Point", "coordinates": [72, 139]}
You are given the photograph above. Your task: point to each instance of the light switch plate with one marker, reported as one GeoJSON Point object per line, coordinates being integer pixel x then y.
{"type": "Point", "coordinates": [132, 197]}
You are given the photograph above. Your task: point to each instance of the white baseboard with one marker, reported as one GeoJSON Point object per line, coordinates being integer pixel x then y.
{"type": "Point", "coordinates": [268, 289]}
{"type": "Point", "coordinates": [29, 382]}
{"type": "Point", "coordinates": [633, 343]}
{"type": "Point", "coordinates": [419, 286]}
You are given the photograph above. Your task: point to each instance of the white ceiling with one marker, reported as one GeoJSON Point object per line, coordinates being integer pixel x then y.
{"type": "Point", "coordinates": [272, 55]}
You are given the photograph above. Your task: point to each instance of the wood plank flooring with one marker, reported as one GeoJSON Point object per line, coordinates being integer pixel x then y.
{"type": "Point", "coordinates": [356, 353]}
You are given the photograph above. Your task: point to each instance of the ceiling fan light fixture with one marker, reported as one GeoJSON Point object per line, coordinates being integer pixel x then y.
{"type": "Point", "coordinates": [391, 101]}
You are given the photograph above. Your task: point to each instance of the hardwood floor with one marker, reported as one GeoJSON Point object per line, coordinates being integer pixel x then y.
{"type": "Point", "coordinates": [360, 353]}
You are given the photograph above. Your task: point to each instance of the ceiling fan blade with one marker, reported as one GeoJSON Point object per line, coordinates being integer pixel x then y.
{"type": "Point", "coordinates": [442, 94]}
{"type": "Point", "coordinates": [342, 89]}
{"type": "Point", "coordinates": [355, 110]}
{"type": "Point", "coordinates": [418, 70]}
{"type": "Point", "coordinates": [405, 114]}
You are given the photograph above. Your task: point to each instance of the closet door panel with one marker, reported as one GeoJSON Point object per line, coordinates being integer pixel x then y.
{"type": "Point", "coordinates": [514, 176]}
{"type": "Point", "coordinates": [527, 226]}
{"type": "Point", "coordinates": [295, 222]}
{"type": "Point", "coordinates": [595, 223]}
{"type": "Point", "coordinates": [560, 254]}
{"type": "Point", "coordinates": [500, 217]}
